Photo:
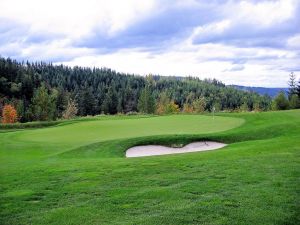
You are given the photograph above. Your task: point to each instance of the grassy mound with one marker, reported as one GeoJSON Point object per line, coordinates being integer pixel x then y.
{"type": "Point", "coordinates": [77, 173]}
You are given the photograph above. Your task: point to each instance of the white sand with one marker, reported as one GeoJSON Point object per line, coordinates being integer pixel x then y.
{"type": "Point", "coordinates": [148, 150]}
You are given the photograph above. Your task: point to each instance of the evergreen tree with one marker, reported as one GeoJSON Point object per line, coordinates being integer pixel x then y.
{"type": "Point", "coordinates": [110, 104]}
{"type": "Point", "coordinates": [120, 106]}
{"type": "Point", "coordinates": [100, 95]}
{"type": "Point", "coordinates": [61, 101]}
{"type": "Point", "coordinates": [292, 85]}
{"type": "Point", "coordinates": [129, 100]}
{"type": "Point", "coordinates": [86, 102]}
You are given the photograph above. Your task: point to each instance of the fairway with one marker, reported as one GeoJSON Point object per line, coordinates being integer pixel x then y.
{"type": "Point", "coordinates": [77, 173]}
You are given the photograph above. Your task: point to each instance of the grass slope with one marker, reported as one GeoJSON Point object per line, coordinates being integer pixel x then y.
{"type": "Point", "coordinates": [77, 173]}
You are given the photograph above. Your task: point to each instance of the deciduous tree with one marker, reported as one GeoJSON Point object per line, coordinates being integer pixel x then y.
{"type": "Point", "coordinates": [43, 104]}
{"type": "Point", "coordinates": [172, 107]}
{"type": "Point", "coordinates": [294, 102]}
{"type": "Point", "coordinates": [199, 105]}
{"type": "Point", "coordinates": [281, 103]}
{"type": "Point", "coordinates": [71, 110]}
{"type": "Point", "coordinates": [146, 102]}
{"type": "Point", "coordinates": [9, 114]}
{"type": "Point", "coordinates": [162, 103]}
{"type": "Point", "coordinates": [188, 108]}
{"type": "Point", "coordinates": [244, 107]}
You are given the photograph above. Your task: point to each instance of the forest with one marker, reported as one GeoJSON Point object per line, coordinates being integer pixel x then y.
{"type": "Point", "coordinates": [39, 91]}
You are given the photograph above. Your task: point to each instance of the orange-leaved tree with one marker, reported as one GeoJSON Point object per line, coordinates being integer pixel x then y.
{"type": "Point", "coordinates": [9, 114]}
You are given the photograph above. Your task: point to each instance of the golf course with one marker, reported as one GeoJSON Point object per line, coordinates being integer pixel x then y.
{"type": "Point", "coordinates": [76, 172]}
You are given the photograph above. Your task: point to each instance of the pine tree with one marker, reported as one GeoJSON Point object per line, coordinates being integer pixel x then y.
{"type": "Point", "coordinates": [292, 85]}
{"type": "Point", "coordinates": [61, 101]}
{"type": "Point", "coordinates": [86, 102]}
{"type": "Point", "coordinates": [129, 100]}
{"type": "Point", "coordinates": [113, 109]}
{"type": "Point", "coordinates": [120, 105]}
{"type": "Point", "coordinates": [110, 103]}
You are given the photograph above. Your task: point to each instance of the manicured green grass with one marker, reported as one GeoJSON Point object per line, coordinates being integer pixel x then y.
{"type": "Point", "coordinates": [102, 130]}
{"type": "Point", "coordinates": [76, 173]}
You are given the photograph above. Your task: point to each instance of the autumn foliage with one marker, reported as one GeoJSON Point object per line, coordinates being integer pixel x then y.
{"type": "Point", "coordinates": [168, 108]}
{"type": "Point", "coordinates": [188, 108]}
{"type": "Point", "coordinates": [9, 114]}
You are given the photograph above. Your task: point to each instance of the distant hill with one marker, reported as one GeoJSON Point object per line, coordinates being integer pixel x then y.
{"type": "Point", "coordinates": [261, 90]}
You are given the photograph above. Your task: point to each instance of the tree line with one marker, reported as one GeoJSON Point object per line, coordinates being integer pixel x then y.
{"type": "Point", "coordinates": [43, 91]}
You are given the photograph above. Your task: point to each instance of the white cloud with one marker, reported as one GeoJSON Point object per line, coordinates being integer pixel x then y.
{"type": "Point", "coordinates": [75, 18]}
{"type": "Point", "coordinates": [57, 50]}
{"type": "Point", "coordinates": [211, 29]}
{"type": "Point", "coordinates": [264, 13]}
{"type": "Point", "coordinates": [65, 22]}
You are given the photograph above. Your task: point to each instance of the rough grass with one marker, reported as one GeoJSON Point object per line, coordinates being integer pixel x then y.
{"type": "Point", "coordinates": [49, 179]}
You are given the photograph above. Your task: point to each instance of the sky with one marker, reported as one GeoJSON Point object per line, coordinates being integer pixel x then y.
{"type": "Point", "coordinates": [252, 43]}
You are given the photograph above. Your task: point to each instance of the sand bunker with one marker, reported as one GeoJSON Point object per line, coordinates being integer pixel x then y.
{"type": "Point", "coordinates": [149, 150]}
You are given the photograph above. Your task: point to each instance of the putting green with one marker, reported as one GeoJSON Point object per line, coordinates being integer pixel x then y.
{"type": "Point", "coordinates": [101, 130]}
